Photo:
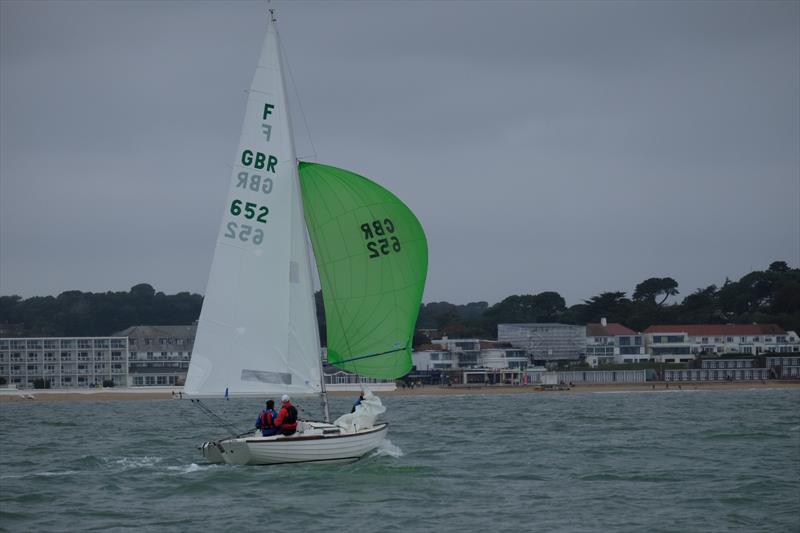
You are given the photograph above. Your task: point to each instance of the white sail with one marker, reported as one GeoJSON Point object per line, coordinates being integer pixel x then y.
{"type": "Point", "coordinates": [257, 332]}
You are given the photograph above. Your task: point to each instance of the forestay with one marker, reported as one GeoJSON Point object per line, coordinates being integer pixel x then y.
{"type": "Point", "coordinates": [257, 332]}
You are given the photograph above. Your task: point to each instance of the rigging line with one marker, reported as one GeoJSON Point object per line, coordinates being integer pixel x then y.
{"type": "Point", "coordinates": [235, 432]}
{"type": "Point", "coordinates": [373, 355]}
{"type": "Point", "coordinates": [297, 96]}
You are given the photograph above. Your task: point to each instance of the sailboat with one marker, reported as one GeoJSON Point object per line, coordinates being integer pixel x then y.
{"type": "Point", "coordinates": [258, 334]}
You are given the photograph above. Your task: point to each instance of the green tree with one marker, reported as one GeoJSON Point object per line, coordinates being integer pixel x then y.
{"type": "Point", "coordinates": [651, 288]}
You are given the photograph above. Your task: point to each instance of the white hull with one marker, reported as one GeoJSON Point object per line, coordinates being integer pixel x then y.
{"type": "Point", "coordinates": [317, 443]}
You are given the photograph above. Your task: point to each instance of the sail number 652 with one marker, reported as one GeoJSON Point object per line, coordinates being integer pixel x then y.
{"type": "Point", "coordinates": [244, 233]}
{"type": "Point", "coordinates": [380, 241]}
{"type": "Point", "coordinates": [250, 210]}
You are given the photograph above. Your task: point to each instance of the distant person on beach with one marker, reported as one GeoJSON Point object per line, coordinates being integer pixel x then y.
{"type": "Point", "coordinates": [358, 402]}
{"type": "Point", "coordinates": [266, 420]}
{"type": "Point", "coordinates": [286, 423]}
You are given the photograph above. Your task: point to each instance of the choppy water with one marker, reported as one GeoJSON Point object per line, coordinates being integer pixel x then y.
{"type": "Point", "coordinates": [655, 461]}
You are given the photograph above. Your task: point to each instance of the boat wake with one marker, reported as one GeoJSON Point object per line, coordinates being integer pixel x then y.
{"type": "Point", "coordinates": [40, 474]}
{"type": "Point", "coordinates": [128, 463]}
{"type": "Point", "coordinates": [191, 468]}
{"type": "Point", "coordinates": [387, 449]}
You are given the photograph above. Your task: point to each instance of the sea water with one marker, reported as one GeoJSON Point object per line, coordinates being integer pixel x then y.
{"type": "Point", "coordinates": [641, 461]}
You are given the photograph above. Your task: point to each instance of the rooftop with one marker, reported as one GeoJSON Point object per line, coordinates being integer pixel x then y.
{"type": "Point", "coordinates": [698, 330]}
{"type": "Point", "coordinates": [609, 330]}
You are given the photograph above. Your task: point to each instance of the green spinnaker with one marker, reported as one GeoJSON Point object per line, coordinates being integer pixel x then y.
{"type": "Point", "coordinates": [372, 258]}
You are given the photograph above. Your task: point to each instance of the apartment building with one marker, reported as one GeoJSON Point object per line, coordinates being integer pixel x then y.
{"type": "Point", "coordinates": [159, 355]}
{"type": "Point", "coordinates": [549, 342]}
{"type": "Point", "coordinates": [64, 362]}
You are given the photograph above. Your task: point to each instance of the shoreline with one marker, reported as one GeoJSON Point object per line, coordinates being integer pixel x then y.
{"type": "Point", "coordinates": [170, 393]}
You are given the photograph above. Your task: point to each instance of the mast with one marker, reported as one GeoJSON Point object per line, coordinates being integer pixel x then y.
{"type": "Point", "coordinates": [298, 199]}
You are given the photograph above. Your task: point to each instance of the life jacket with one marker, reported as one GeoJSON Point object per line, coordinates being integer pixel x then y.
{"type": "Point", "coordinates": [291, 415]}
{"type": "Point", "coordinates": [268, 419]}
{"type": "Point", "coordinates": [287, 418]}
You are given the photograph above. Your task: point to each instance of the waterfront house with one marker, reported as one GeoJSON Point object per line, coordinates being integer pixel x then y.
{"type": "Point", "coordinates": [613, 344]}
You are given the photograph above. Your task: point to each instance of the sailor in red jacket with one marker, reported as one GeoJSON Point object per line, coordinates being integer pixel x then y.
{"type": "Point", "coordinates": [287, 417]}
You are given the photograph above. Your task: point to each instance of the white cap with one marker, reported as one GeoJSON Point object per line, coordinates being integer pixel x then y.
{"type": "Point", "coordinates": [285, 398]}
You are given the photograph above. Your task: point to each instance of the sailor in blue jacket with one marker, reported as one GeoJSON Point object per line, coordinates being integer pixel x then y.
{"type": "Point", "coordinates": [266, 420]}
{"type": "Point", "coordinates": [358, 402]}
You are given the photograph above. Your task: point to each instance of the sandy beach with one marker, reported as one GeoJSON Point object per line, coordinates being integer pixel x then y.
{"type": "Point", "coordinates": [162, 393]}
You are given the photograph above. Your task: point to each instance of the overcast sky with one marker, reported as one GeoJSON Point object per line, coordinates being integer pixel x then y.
{"type": "Point", "coordinates": [578, 147]}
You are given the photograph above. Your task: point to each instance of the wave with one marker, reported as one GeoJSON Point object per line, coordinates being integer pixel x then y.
{"type": "Point", "coordinates": [388, 449]}
{"type": "Point", "coordinates": [41, 474]}
{"type": "Point", "coordinates": [191, 468]}
{"type": "Point", "coordinates": [128, 463]}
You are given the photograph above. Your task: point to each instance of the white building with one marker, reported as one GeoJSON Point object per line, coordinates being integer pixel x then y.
{"type": "Point", "coordinates": [63, 362]}
{"type": "Point", "coordinates": [545, 342]}
{"type": "Point", "coordinates": [428, 359]}
{"type": "Point", "coordinates": [159, 355]}
{"type": "Point", "coordinates": [468, 354]}
{"type": "Point", "coordinates": [784, 367]}
{"type": "Point", "coordinates": [682, 343]}
{"type": "Point", "coordinates": [613, 344]}
{"type": "Point", "coordinates": [500, 358]}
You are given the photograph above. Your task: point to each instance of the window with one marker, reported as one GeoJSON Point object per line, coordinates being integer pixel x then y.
{"type": "Point", "coordinates": [728, 339]}
{"type": "Point", "coordinates": [704, 340]}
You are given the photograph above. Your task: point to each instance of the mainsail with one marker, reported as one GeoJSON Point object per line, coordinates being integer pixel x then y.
{"type": "Point", "coordinates": [257, 332]}
{"type": "Point", "coordinates": [372, 258]}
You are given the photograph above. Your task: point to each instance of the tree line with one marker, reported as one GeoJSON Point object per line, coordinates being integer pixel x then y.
{"type": "Point", "coordinates": [769, 296]}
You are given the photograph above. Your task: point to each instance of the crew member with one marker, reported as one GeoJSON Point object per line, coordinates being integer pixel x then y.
{"type": "Point", "coordinates": [286, 423]}
{"type": "Point", "coordinates": [358, 402]}
{"type": "Point", "coordinates": [266, 420]}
